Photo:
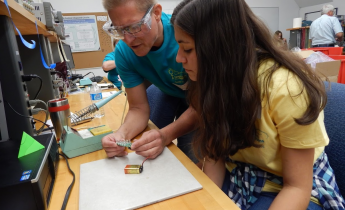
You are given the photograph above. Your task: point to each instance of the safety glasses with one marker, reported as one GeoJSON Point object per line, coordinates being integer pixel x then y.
{"type": "Point", "coordinates": [137, 29]}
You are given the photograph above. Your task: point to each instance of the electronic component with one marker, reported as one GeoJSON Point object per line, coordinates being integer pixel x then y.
{"type": "Point", "coordinates": [27, 4]}
{"type": "Point", "coordinates": [13, 91]}
{"type": "Point", "coordinates": [124, 143]}
{"type": "Point", "coordinates": [77, 76]}
{"type": "Point", "coordinates": [87, 112]}
{"type": "Point", "coordinates": [96, 79]}
{"type": "Point", "coordinates": [85, 82]}
{"type": "Point", "coordinates": [29, 179]}
{"type": "Point", "coordinates": [45, 13]}
{"type": "Point", "coordinates": [135, 169]}
{"type": "Point", "coordinates": [72, 144]}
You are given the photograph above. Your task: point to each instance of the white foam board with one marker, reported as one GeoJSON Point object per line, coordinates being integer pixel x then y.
{"type": "Point", "coordinates": [104, 185]}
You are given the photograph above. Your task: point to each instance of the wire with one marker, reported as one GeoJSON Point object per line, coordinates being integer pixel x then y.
{"type": "Point", "coordinates": [51, 130]}
{"type": "Point", "coordinates": [29, 78]}
{"type": "Point", "coordinates": [90, 73]}
{"type": "Point", "coordinates": [124, 109]}
{"type": "Point", "coordinates": [68, 192]}
{"type": "Point", "coordinates": [68, 65]}
{"type": "Point", "coordinates": [39, 131]}
{"type": "Point", "coordinates": [75, 70]}
{"type": "Point", "coordinates": [46, 111]}
{"type": "Point", "coordinates": [142, 165]}
{"type": "Point", "coordinates": [39, 89]}
{"type": "Point", "coordinates": [203, 164]}
{"type": "Point", "coordinates": [55, 72]}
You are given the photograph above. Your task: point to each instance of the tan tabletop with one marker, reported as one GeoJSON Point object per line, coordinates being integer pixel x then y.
{"type": "Point", "coordinates": [210, 197]}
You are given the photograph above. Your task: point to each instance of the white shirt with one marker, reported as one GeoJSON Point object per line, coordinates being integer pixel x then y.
{"type": "Point", "coordinates": [324, 29]}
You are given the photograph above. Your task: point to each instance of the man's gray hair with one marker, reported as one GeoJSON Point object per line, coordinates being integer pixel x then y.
{"type": "Point", "coordinates": [142, 5]}
{"type": "Point", "coordinates": [326, 8]}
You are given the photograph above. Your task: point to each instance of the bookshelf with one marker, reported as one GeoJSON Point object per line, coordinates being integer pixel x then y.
{"type": "Point", "coordinates": [299, 37]}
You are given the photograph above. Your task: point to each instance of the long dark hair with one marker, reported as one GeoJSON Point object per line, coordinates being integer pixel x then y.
{"type": "Point", "coordinates": [230, 43]}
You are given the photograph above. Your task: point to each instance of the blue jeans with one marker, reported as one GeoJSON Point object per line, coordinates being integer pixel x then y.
{"type": "Point", "coordinates": [164, 109]}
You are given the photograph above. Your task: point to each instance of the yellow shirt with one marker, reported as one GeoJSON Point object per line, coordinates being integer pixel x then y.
{"type": "Point", "coordinates": [276, 126]}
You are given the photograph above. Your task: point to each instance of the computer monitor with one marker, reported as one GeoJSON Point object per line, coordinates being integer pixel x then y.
{"type": "Point", "coordinates": [68, 53]}
{"type": "Point", "coordinates": [15, 111]}
{"type": "Point", "coordinates": [3, 122]}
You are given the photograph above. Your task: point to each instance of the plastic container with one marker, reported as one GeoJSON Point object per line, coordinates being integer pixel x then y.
{"type": "Point", "coordinates": [96, 95]}
{"type": "Point", "coordinates": [341, 75]}
{"type": "Point", "coordinates": [328, 50]}
{"type": "Point", "coordinates": [59, 115]}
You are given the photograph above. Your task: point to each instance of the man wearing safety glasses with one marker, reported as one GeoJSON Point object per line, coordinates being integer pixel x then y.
{"type": "Point", "coordinates": [147, 50]}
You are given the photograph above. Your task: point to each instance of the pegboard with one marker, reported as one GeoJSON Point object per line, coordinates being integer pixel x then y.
{"type": "Point", "coordinates": [93, 58]}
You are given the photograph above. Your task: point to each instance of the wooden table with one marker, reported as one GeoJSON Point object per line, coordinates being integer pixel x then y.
{"type": "Point", "coordinates": [210, 197]}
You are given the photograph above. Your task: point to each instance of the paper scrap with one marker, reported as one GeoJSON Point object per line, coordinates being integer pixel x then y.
{"type": "Point", "coordinates": [85, 133]}
{"type": "Point", "coordinates": [107, 94]}
{"type": "Point", "coordinates": [102, 18]}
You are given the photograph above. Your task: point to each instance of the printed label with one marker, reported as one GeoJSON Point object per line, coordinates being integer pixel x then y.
{"type": "Point", "coordinates": [96, 96]}
{"type": "Point", "coordinates": [27, 172]}
{"type": "Point", "coordinates": [25, 175]}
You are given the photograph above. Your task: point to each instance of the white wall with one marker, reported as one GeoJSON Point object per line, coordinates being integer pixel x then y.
{"type": "Point", "coordinates": [308, 3]}
{"type": "Point", "coordinates": [336, 3]}
{"type": "Point", "coordinates": [288, 10]}
{"type": "Point", "coordinates": [80, 6]}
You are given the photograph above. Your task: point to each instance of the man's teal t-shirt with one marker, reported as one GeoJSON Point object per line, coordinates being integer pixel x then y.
{"type": "Point", "coordinates": [159, 67]}
{"type": "Point", "coordinates": [112, 74]}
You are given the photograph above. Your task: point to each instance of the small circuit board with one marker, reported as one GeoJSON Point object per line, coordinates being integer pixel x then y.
{"type": "Point", "coordinates": [124, 143]}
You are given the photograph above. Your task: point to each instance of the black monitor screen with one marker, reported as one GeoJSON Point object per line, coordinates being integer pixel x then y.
{"type": "Point", "coordinates": [68, 53]}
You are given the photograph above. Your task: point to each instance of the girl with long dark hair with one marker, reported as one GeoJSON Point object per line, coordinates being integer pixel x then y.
{"type": "Point", "coordinates": [261, 132]}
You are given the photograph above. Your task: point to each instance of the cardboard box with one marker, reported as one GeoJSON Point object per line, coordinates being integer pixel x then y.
{"type": "Point", "coordinates": [305, 53]}
{"type": "Point", "coordinates": [328, 69]}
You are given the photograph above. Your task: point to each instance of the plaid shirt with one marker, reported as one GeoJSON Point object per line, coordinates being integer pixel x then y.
{"type": "Point", "coordinates": [247, 181]}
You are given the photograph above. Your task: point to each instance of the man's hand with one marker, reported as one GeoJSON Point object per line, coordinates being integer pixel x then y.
{"type": "Point", "coordinates": [339, 36]}
{"type": "Point", "coordinates": [110, 146]}
{"type": "Point", "coordinates": [151, 144]}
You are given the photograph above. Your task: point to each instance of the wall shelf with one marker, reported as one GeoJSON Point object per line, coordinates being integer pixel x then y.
{"type": "Point", "coordinates": [25, 21]}
{"type": "Point", "coordinates": [290, 29]}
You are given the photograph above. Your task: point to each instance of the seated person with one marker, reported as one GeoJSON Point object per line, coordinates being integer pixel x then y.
{"type": "Point", "coordinates": [281, 42]}
{"type": "Point", "coordinates": [109, 67]}
{"type": "Point", "coordinates": [261, 134]}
